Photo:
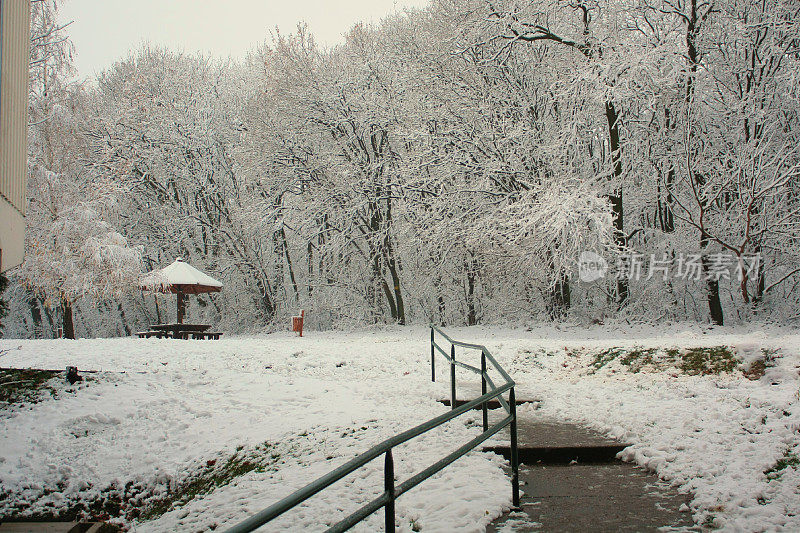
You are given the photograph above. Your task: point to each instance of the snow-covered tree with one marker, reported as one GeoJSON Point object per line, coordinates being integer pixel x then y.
{"type": "Point", "coordinates": [72, 248]}
{"type": "Point", "coordinates": [450, 164]}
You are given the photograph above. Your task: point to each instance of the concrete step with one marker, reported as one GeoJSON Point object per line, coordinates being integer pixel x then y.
{"type": "Point", "coordinates": [546, 441]}
{"type": "Point", "coordinates": [564, 455]}
{"type": "Point", "coordinates": [539, 432]}
{"type": "Point", "coordinates": [572, 481]}
{"type": "Point", "coordinates": [491, 404]}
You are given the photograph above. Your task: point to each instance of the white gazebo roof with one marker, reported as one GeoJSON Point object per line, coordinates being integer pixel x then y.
{"type": "Point", "coordinates": [180, 276]}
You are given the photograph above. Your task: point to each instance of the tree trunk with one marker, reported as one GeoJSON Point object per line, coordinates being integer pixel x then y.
{"type": "Point", "coordinates": [377, 273]}
{"type": "Point", "coordinates": [471, 266]}
{"type": "Point", "coordinates": [125, 326]}
{"type": "Point", "coordinates": [560, 298]}
{"type": "Point", "coordinates": [265, 301]}
{"type": "Point", "coordinates": [398, 296]}
{"type": "Point", "coordinates": [181, 307]}
{"type": "Point", "coordinates": [714, 304]}
{"type": "Point", "coordinates": [66, 313]}
{"type": "Point", "coordinates": [666, 218]}
{"type": "Point", "coordinates": [612, 118]}
{"type": "Point", "coordinates": [285, 246]}
{"type": "Point", "coordinates": [441, 305]}
{"type": "Point", "coordinates": [472, 315]}
{"type": "Point", "coordinates": [389, 298]}
{"type": "Point", "coordinates": [158, 309]}
{"type": "Point", "coordinates": [393, 264]}
{"type": "Point", "coordinates": [712, 285]}
{"type": "Point", "coordinates": [761, 277]}
{"type": "Point", "coordinates": [36, 316]}
{"type": "Point", "coordinates": [3, 303]}
{"type": "Point", "coordinates": [48, 314]}
{"type": "Point", "coordinates": [310, 259]}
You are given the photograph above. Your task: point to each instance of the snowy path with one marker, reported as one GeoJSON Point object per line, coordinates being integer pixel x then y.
{"type": "Point", "coordinates": [572, 481]}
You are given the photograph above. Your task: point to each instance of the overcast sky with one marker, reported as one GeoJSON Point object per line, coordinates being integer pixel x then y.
{"type": "Point", "coordinates": [106, 30]}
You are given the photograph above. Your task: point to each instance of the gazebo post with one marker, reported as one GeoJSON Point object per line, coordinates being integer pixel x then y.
{"type": "Point", "coordinates": [181, 306]}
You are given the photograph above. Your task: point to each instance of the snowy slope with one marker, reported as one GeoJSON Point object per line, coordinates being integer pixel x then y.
{"type": "Point", "coordinates": [316, 402]}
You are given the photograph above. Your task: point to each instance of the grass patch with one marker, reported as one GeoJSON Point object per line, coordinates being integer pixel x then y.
{"type": "Point", "coordinates": [759, 367]}
{"type": "Point", "coordinates": [710, 360]}
{"type": "Point", "coordinates": [25, 385]}
{"type": "Point", "coordinates": [144, 500]}
{"type": "Point", "coordinates": [789, 460]}
{"type": "Point", "coordinates": [212, 475]}
{"type": "Point", "coordinates": [690, 361]}
{"type": "Point", "coordinates": [638, 358]}
{"type": "Point", "coordinates": [604, 357]}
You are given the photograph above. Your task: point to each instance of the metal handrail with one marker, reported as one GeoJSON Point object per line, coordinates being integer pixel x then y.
{"type": "Point", "coordinates": [392, 491]}
{"type": "Point", "coordinates": [480, 347]}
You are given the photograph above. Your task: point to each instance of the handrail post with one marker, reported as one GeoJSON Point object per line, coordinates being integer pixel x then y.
{"type": "Point", "coordinates": [512, 403]}
{"type": "Point", "coordinates": [388, 485]}
{"type": "Point", "coordinates": [433, 358]}
{"type": "Point", "coordinates": [484, 406]}
{"type": "Point", "coordinates": [452, 376]}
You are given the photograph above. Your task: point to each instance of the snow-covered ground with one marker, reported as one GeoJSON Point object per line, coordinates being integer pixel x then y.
{"type": "Point", "coordinates": [309, 404]}
{"type": "Point", "coordinates": [303, 406]}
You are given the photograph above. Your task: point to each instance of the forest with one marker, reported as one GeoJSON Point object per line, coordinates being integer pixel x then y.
{"type": "Point", "coordinates": [473, 162]}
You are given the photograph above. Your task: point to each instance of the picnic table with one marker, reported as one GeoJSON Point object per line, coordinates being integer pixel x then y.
{"type": "Point", "coordinates": [180, 331]}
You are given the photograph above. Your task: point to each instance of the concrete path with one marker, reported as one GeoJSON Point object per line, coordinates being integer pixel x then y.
{"type": "Point", "coordinates": [610, 497]}
{"type": "Point", "coordinates": [572, 482]}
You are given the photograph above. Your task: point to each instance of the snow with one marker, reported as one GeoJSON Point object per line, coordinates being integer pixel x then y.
{"type": "Point", "coordinates": [318, 401]}
{"type": "Point", "coordinates": [713, 436]}
{"type": "Point", "coordinates": [322, 399]}
{"type": "Point", "coordinates": [178, 273]}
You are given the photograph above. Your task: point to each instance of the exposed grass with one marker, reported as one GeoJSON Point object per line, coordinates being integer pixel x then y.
{"type": "Point", "coordinates": [638, 358]}
{"type": "Point", "coordinates": [25, 385]}
{"type": "Point", "coordinates": [710, 360]}
{"type": "Point", "coordinates": [99, 508]}
{"type": "Point", "coordinates": [211, 476]}
{"type": "Point", "coordinates": [145, 498]}
{"type": "Point", "coordinates": [142, 500]}
{"type": "Point", "coordinates": [604, 357]}
{"type": "Point", "coordinates": [759, 367]}
{"type": "Point", "coordinates": [691, 361]}
{"type": "Point", "coordinates": [789, 460]}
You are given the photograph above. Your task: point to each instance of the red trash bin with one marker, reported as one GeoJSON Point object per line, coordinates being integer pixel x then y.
{"type": "Point", "coordinates": [297, 322]}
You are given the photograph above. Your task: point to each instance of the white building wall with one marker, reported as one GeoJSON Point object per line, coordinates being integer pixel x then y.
{"type": "Point", "coordinates": [14, 51]}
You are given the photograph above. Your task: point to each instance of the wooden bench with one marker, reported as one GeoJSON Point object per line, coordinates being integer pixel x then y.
{"type": "Point", "coordinates": [205, 335]}
{"type": "Point", "coordinates": [148, 334]}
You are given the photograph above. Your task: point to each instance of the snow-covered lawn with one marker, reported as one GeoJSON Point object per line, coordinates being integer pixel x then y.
{"type": "Point", "coordinates": [257, 417]}
{"type": "Point", "coordinates": [278, 409]}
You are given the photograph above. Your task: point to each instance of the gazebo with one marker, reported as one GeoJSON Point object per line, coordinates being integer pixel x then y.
{"type": "Point", "coordinates": [181, 279]}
